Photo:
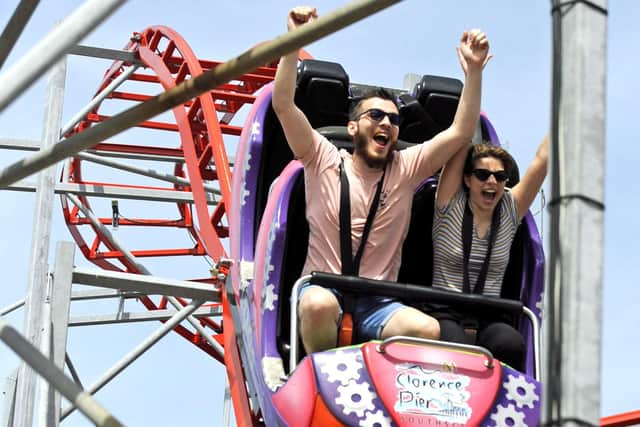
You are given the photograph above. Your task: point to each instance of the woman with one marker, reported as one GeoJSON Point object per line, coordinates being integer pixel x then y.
{"type": "Point", "coordinates": [475, 220]}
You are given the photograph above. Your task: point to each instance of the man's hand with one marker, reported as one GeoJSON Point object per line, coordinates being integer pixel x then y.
{"type": "Point", "coordinates": [300, 15]}
{"type": "Point", "coordinates": [473, 50]}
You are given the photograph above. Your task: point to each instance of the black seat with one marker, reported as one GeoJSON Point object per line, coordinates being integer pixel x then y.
{"type": "Point", "coordinates": [439, 97]}
{"type": "Point", "coordinates": [427, 112]}
{"type": "Point", "coordinates": [430, 108]}
{"type": "Point", "coordinates": [511, 283]}
{"type": "Point", "coordinates": [417, 251]}
{"type": "Point", "coordinates": [322, 93]}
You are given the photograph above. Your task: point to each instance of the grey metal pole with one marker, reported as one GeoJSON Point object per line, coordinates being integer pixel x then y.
{"type": "Point", "coordinates": [8, 309]}
{"type": "Point", "coordinates": [98, 99]}
{"type": "Point", "coordinates": [245, 62]}
{"type": "Point", "coordinates": [46, 390]}
{"type": "Point", "coordinates": [226, 409]}
{"type": "Point", "coordinates": [138, 351]}
{"type": "Point", "coordinates": [141, 171]}
{"type": "Point", "coordinates": [60, 302]}
{"type": "Point", "coordinates": [38, 266]}
{"type": "Point", "coordinates": [30, 354]}
{"type": "Point", "coordinates": [72, 370]}
{"type": "Point", "coordinates": [46, 52]}
{"type": "Point", "coordinates": [14, 27]}
{"type": "Point", "coordinates": [574, 312]}
{"type": "Point", "coordinates": [9, 399]}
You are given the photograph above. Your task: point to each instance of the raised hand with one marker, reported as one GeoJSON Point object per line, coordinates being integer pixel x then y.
{"type": "Point", "coordinates": [473, 50]}
{"type": "Point", "coordinates": [300, 15]}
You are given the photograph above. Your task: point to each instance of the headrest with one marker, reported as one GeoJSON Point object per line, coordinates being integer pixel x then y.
{"type": "Point", "coordinates": [417, 125]}
{"type": "Point", "coordinates": [439, 97]}
{"type": "Point", "coordinates": [323, 92]}
{"type": "Point", "coordinates": [514, 176]}
{"type": "Point", "coordinates": [430, 108]}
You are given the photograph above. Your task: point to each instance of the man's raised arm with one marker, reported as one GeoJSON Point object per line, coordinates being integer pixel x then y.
{"type": "Point", "coordinates": [297, 128]}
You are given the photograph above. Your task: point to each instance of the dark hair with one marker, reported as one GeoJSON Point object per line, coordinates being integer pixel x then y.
{"type": "Point", "coordinates": [376, 92]}
{"type": "Point", "coordinates": [486, 149]}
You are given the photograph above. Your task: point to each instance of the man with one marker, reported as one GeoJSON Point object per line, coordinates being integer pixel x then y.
{"type": "Point", "coordinates": [381, 184]}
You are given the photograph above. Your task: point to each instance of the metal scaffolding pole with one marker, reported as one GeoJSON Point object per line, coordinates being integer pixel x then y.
{"type": "Point", "coordinates": [148, 285]}
{"type": "Point", "coordinates": [59, 303]}
{"type": "Point", "coordinates": [16, 305]}
{"type": "Point", "coordinates": [139, 350]}
{"type": "Point", "coordinates": [38, 266]}
{"type": "Point", "coordinates": [574, 312]}
{"type": "Point", "coordinates": [14, 27]}
{"type": "Point", "coordinates": [241, 64]}
{"type": "Point", "coordinates": [100, 52]}
{"type": "Point", "coordinates": [132, 317]}
{"type": "Point", "coordinates": [117, 192]}
{"type": "Point", "coordinates": [98, 99]}
{"type": "Point", "coordinates": [50, 49]}
{"type": "Point", "coordinates": [151, 173]}
{"type": "Point", "coordinates": [31, 355]}
{"type": "Point", "coordinates": [72, 370]}
{"type": "Point", "coordinates": [9, 399]}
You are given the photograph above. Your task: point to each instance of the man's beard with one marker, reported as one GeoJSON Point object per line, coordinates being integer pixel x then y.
{"type": "Point", "coordinates": [360, 148]}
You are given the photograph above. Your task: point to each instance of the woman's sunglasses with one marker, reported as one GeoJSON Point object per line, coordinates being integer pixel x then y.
{"type": "Point", "coordinates": [378, 114]}
{"type": "Point", "coordinates": [484, 174]}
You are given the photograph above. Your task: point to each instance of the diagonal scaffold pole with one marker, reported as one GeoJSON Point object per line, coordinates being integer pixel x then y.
{"type": "Point", "coordinates": [15, 26]}
{"type": "Point", "coordinates": [50, 49]}
{"type": "Point", "coordinates": [223, 73]}
{"type": "Point", "coordinates": [70, 390]}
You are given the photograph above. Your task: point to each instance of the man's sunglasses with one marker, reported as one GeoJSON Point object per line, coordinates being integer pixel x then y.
{"type": "Point", "coordinates": [378, 115]}
{"type": "Point", "coordinates": [484, 174]}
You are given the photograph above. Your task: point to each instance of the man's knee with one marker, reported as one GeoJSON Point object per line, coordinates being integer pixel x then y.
{"type": "Point", "coordinates": [317, 304]}
{"type": "Point", "coordinates": [319, 313]}
{"type": "Point", "coordinates": [428, 327]}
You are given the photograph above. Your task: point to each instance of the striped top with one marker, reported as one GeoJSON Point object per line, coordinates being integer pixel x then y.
{"type": "Point", "coordinates": [448, 247]}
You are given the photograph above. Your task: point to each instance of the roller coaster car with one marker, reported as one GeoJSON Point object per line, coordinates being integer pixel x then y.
{"type": "Point", "coordinates": [400, 381]}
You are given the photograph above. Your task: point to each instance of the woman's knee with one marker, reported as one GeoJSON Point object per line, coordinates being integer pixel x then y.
{"type": "Point", "coordinates": [505, 342]}
{"type": "Point", "coordinates": [452, 331]}
{"type": "Point", "coordinates": [412, 322]}
{"type": "Point", "coordinates": [503, 335]}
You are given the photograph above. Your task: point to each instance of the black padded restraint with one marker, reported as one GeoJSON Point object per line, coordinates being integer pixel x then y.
{"type": "Point", "coordinates": [351, 266]}
{"type": "Point", "coordinates": [467, 231]}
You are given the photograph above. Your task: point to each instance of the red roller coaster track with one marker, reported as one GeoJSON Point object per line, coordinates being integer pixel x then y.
{"type": "Point", "coordinates": [191, 141]}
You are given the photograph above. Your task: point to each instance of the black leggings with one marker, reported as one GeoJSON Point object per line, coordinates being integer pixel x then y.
{"type": "Point", "coordinates": [503, 340]}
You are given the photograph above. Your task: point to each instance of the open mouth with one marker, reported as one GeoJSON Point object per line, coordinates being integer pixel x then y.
{"type": "Point", "coordinates": [381, 139]}
{"type": "Point", "coordinates": [488, 195]}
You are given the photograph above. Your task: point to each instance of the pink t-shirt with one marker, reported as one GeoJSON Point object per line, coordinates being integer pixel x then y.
{"type": "Point", "coordinates": [382, 253]}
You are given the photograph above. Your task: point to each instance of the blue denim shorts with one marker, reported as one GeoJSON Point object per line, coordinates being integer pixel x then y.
{"type": "Point", "coordinates": [370, 314]}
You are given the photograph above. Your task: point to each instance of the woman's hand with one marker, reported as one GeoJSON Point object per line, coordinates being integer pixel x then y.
{"type": "Point", "coordinates": [473, 50]}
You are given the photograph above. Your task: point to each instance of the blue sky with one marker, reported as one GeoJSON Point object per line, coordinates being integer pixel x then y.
{"type": "Point", "coordinates": [176, 384]}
